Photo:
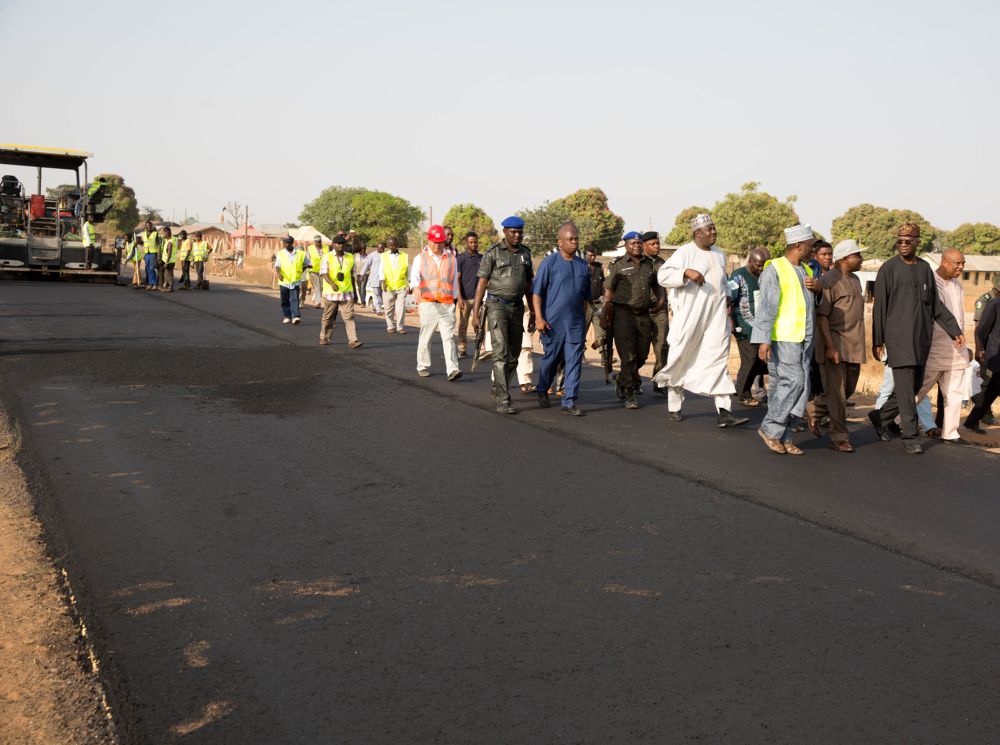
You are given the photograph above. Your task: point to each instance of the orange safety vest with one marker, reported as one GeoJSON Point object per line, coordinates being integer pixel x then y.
{"type": "Point", "coordinates": [437, 281]}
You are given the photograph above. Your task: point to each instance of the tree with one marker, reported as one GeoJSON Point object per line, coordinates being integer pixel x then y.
{"type": "Point", "coordinates": [377, 216]}
{"type": "Point", "coordinates": [123, 215]}
{"type": "Point", "coordinates": [331, 210]}
{"type": "Point", "coordinates": [599, 227]}
{"type": "Point", "coordinates": [235, 215]}
{"type": "Point", "coordinates": [875, 229]}
{"type": "Point", "coordinates": [541, 225]}
{"type": "Point", "coordinates": [974, 238]}
{"type": "Point", "coordinates": [751, 218]}
{"type": "Point", "coordinates": [465, 217]}
{"type": "Point", "coordinates": [681, 232]}
{"type": "Point", "coordinates": [150, 213]}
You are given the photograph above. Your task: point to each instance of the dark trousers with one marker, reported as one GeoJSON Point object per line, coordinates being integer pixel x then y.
{"type": "Point", "coordinates": [168, 277]}
{"type": "Point", "coordinates": [661, 327]}
{"type": "Point", "coordinates": [839, 384]}
{"type": "Point", "coordinates": [903, 401]}
{"type": "Point", "coordinates": [290, 302]}
{"type": "Point", "coordinates": [199, 267]}
{"type": "Point", "coordinates": [505, 324]}
{"type": "Point", "coordinates": [186, 273]}
{"type": "Point", "coordinates": [88, 256]}
{"type": "Point", "coordinates": [750, 367]}
{"type": "Point", "coordinates": [984, 404]}
{"type": "Point", "coordinates": [632, 333]}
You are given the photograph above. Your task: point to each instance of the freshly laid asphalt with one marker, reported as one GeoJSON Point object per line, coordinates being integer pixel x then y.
{"type": "Point", "coordinates": [274, 542]}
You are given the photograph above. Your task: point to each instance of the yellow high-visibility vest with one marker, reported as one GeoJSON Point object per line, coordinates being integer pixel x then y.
{"type": "Point", "coordinates": [339, 265]}
{"type": "Point", "coordinates": [394, 270]}
{"type": "Point", "coordinates": [316, 257]}
{"type": "Point", "coordinates": [184, 252]}
{"type": "Point", "coordinates": [170, 251]}
{"type": "Point", "coordinates": [291, 266]}
{"type": "Point", "coordinates": [790, 324]}
{"type": "Point", "coordinates": [89, 235]}
{"type": "Point", "coordinates": [199, 250]}
{"type": "Point", "coordinates": [151, 242]}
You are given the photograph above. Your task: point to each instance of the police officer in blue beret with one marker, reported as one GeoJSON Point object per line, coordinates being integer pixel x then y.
{"type": "Point", "coordinates": [506, 274]}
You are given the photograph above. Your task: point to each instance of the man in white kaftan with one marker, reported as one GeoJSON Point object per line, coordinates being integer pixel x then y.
{"type": "Point", "coordinates": [699, 331]}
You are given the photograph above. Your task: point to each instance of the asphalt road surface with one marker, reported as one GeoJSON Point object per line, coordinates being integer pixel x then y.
{"type": "Point", "coordinates": [274, 542]}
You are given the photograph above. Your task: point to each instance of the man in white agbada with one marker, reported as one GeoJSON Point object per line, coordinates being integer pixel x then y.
{"type": "Point", "coordinates": [699, 332]}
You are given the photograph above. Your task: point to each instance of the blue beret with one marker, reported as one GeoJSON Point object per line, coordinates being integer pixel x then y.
{"type": "Point", "coordinates": [630, 235]}
{"type": "Point", "coordinates": [513, 222]}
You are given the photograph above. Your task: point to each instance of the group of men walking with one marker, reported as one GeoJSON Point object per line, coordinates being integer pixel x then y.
{"type": "Point", "coordinates": [798, 319]}
{"type": "Point", "coordinates": [154, 255]}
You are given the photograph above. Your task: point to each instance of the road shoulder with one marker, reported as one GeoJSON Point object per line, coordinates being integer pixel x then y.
{"type": "Point", "coordinates": [49, 688]}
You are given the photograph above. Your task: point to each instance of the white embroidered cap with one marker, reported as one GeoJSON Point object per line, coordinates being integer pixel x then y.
{"type": "Point", "coordinates": [798, 233]}
{"type": "Point", "coordinates": [701, 221]}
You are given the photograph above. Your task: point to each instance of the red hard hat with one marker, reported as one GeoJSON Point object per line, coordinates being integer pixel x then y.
{"type": "Point", "coordinates": [435, 234]}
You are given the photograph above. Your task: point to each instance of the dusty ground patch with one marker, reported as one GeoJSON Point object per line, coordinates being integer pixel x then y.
{"type": "Point", "coordinates": [45, 694]}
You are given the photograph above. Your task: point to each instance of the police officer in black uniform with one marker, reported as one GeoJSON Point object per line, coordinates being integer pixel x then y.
{"type": "Point", "coordinates": [981, 302]}
{"type": "Point", "coordinates": [506, 273]}
{"type": "Point", "coordinates": [629, 291]}
{"type": "Point", "coordinates": [661, 318]}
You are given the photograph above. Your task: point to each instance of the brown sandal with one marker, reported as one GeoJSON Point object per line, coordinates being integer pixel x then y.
{"type": "Point", "coordinates": [842, 447]}
{"type": "Point", "coordinates": [791, 448]}
{"type": "Point", "coordinates": [528, 388]}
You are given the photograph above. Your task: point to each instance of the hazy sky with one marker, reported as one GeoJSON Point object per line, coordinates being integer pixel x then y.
{"type": "Point", "coordinates": [662, 104]}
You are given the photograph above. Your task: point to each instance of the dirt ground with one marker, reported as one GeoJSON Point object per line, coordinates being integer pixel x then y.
{"type": "Point", "coordinates": [49, 690]}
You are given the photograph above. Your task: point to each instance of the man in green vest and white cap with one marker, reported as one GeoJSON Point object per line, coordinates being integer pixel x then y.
{"type": "Point", "coordinates": [317, 252]}
{"type": "Point", "coordinates": [783, 326]}
{"type": "Point", "coordinates": [289, 266]}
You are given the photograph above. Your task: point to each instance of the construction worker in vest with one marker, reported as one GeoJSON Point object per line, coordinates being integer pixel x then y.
{"type": "Point", "coordinates": [168, 258]}
{"type": "Point", "coordinates": [184, 258]}
{"type": "Point", "coordinates": [289, 267]}
{"type": "Point", "coordinates": [151, 245]}
{"type": "Point", "coordinates": [89, 243]}
{"type": "Point", "coordinates": [783, 326]}
{"type": "Point", "coordinates": [136, 257]}
{"type": "Point", "coordinates": [160, 272]}
{"type": "Point", "coordinates": [317, 252]}
{"type": "Point", "coordinates": [434, 277]}
{"type": "Point", "coordinates": [392, 272]}
{"type": "Point", "coordinates": [337, 271]}
{"type": "Point", "coordinates": [199, 255]}
{"type": "Point", "coordinates": [506, 272]}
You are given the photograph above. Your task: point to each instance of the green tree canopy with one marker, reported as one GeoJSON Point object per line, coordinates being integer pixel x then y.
{"type": "Point", "coordinates": [374, 215]}
{"type": "Point", "coordinates": [331, 210]}
{"type": "Point", "coordinates": [377, 216]}
{"type": "Point", "coordinates": [681, 232]}
{"type": "Point", "coordinates": [124, 213]}
{"type": "Point", "coordinates": [465, 217]}
{"type": "Point", "coordinates": [974, 238]}
{"type": "Point", "coordinates": [875, 229]}
{"type": "Point", "coordinates": [599, 227]}
{"type": "Point", "coordinates": [747, 219]}
{"type": "Point", "coordinates": [751, 218]}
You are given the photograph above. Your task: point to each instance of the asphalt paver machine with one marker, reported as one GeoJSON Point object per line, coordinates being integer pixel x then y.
{"type": "Point", "coordinates": [43, 233]}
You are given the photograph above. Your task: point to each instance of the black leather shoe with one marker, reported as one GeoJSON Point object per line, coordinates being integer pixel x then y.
{"type": "Point", "coordinates": [543, 401]}
{"type": "Point", "coordinates": [974, 427]}
{"type": "Point", "coordinates": [726, 419]}
{"type": "Point", "coordinates": [875, 418]}
{"type": "Point", "coordinates": [571, 411]}
{"type": "Point", "coordinates": [674, 416]}
{"type": "Point", "coordinates": [912, 447]}
{"type": "Point", "coordinates": [958, 441]}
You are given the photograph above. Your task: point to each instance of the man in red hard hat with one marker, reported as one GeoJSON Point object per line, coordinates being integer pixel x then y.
{"type": "Point", "coordinates": [434, 278]}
